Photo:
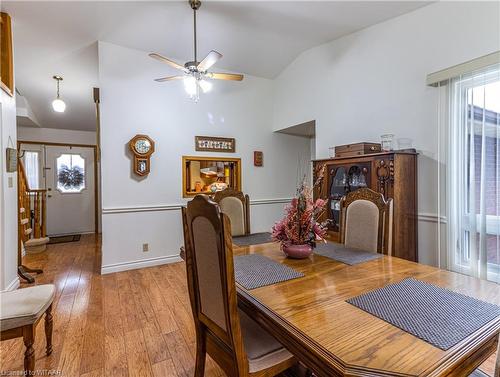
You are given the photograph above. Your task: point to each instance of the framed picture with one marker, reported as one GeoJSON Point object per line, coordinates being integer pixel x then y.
{"type": "Point", "coordinates": [214, 144]}
{"type": "Point", "coordinates": [6, 65]}
{"type": "Point", "coordinates": [258, 158]}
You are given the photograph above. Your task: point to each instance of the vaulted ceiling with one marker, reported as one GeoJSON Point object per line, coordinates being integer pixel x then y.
{"type": "Point", "coordinates": [259, 38]}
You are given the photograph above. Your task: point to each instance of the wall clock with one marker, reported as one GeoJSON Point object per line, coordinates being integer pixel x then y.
{"type": "Point", "coordinates": [142, 147]}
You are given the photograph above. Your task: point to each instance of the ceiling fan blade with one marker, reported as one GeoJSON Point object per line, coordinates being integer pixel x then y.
{"type": "Point", "coordinates": [225, 76]}
{"type": "Point", "coordinates": [171, 63]}
{"type": "Point", "coordinates": [212, 58]}
{"type": "Point", "coordinates": [169, 78]}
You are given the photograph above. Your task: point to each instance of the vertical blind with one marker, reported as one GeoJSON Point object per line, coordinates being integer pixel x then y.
{"type": "Point", "coordinates": [474, 176]}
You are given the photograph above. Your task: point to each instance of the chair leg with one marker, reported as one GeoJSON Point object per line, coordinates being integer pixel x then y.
{"type": "Point", "coordinates": [29, 354]}
{"type": "Point", "coordinates": [201, 353]}
{"type": "Point", "coordinates": [48, 329]}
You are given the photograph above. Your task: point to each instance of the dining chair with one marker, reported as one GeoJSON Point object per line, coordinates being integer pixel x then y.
{"type": "Point", "coordinates": [20, 311]}
{"type": "Point", "coordinates": [236, 206]}
{"type": "Point", "coordinates": [233, 340]}
{"type": "Point", "coordinates": [366, 221]}
{"type": "Point", "coordinates": [479, 373]}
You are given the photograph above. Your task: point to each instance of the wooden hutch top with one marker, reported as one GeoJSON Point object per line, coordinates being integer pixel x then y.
{"type": "Point", "coordinates": [370, 155]}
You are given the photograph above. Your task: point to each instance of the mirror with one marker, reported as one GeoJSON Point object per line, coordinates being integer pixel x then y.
{"type": "Point", "coordinates": [207, 175]}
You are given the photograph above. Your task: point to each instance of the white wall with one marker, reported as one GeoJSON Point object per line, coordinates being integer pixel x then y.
{"type": "Point", "coordinates": [373, 82]}
{"type": "Point", "coordinates": [8, 197]}
{"type": "Point", "coordinates": [137, 211]}
{"type": "Point", "coordinates": [54, 135]}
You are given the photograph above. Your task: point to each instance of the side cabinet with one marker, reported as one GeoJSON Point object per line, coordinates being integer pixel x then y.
{"type": "Point", "coordinates": [394, 174]}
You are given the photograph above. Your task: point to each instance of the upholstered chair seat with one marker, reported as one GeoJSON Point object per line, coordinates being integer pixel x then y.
{"type": "Point", "coordinates": [24, 306]}
{"type": "Point", "coordinates": [234, 340]}
{"type": "Point", "coordinates": [20, 312]}
{"type": "Point", "coordinates": [262, 349]}
{"type": "Point", "coordinates": [478, 373]}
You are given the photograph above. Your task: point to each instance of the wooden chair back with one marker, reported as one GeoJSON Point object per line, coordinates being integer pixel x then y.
{"type": "Point", "coordinates": [366, 221]}
{"type": "Point", "coordinates": [211, 284]}
{"type": "Point", "coordinates": [236, 206]}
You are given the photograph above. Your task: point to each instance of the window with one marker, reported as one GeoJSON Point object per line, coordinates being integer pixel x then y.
{"type": "Point", "coordinates": [475, 173]}
{"type": "Point", "coordinates": [32, 168]}
{"type": "Point", "coordinates": [70, 173]}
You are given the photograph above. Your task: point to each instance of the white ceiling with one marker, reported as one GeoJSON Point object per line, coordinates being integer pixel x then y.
{"type": "Point", "coordinates": [258, 38]}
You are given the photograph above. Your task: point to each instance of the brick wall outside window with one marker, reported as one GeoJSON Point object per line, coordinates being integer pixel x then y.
{"type": "Point", "coordinates": [492, 191]}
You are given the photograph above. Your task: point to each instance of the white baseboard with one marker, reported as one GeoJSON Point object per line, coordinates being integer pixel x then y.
{"type": "Point", "coordinates": [14, 284]}
{"type": "Point", "coordinates": [117, 267]}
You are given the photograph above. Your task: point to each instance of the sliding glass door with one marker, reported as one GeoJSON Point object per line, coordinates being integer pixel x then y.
{"type": "Point", "coordinates": [474, 175]}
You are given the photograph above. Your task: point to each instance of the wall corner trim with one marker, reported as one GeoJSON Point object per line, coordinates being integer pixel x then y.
{"type": "Point", "coordinates": [13, 285]}
{"type": "Point", "coordinates": [142, 263]}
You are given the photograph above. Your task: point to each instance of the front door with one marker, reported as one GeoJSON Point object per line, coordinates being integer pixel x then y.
{"type": "Point", "coordinates": [70, 190]}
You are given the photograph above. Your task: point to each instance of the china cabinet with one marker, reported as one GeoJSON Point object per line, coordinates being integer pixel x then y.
{"type": "Point", "coordinates": [394, 174]}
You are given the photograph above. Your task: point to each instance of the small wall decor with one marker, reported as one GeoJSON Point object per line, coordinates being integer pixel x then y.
{"type": "Point", "coordinates": [142, 146]}
{"type": "Point", "coordinates": [258, 158]}
{"type": "Point", "coordinates": [11, 160]}
{"type": "Point", "coordinates": [215, 144]}
{"type": "Point", "coordinates": [6, 61]}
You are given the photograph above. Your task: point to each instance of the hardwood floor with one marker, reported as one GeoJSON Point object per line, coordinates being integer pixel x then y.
{"type": "Point", "coordinates": [132, 323]}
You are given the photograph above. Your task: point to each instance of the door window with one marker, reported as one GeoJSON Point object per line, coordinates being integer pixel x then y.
{"type": "Point", "coordinates": [70, 173]}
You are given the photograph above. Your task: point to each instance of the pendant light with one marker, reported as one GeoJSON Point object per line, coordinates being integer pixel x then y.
{"type": "Point", "coordinates": [58, 104]}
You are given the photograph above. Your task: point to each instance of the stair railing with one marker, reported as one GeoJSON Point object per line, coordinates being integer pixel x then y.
{"type": "Point", "coordinates": [31, 206]}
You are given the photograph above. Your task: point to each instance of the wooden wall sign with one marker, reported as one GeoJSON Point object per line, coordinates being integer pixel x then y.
{"type": "Point", "coordinates": [214, 144]}
{"type": "Point", "coordinates": [258, 158]}
{"type": "Point", "coordinates": [142, 147]}
{"type": "Point", "coordinates": [6, 63]}
{"type": "Point", "coordinates": [11, 160]}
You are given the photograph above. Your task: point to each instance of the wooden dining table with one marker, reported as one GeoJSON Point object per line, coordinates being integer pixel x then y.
{"type": "Point", "coordinates": [311, 318]}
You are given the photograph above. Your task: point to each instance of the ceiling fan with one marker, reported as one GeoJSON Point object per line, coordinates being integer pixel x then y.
{"type": "Point", "coordinates": [196, 75]}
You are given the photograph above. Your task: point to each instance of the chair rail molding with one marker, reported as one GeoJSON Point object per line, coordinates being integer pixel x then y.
{"type": "Point", "coordinates": [177, 207]}
{"type": "Point", "coordinates": [432, 218]}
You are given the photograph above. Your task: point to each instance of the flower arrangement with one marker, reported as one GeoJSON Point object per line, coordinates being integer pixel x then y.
{"type": "Point", "coordinates": [299, 226]}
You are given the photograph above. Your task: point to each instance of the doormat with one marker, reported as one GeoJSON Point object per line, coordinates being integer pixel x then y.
{"type": "Point", "coordinates": [63, 239]}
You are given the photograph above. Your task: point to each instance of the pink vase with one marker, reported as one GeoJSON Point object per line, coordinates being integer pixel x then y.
{"type": "Point", "coordinates": [297, 251]}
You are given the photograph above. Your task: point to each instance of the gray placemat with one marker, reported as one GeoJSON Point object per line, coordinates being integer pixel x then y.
{"type": "Point", "coordinates": [437, 315]}
{"type": "Point", "coordinates": [343, 254]}
{"type": "Point", "coordinates": [253, 239]}
{"type": "Point", "coordinates": [255, 270]}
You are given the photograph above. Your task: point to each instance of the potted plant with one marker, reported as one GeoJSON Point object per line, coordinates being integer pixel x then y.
{"type": "Point", "coordinates": [298, 231]}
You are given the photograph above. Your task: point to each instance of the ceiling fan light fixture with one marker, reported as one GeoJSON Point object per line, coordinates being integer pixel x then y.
{"type": "Point", "coordinates": [195, 75]}
{"type": "Point", "coordinates": [58, 104]}
{"type": "Point", "coordinates": [191, 87]}
{"type": "Point", "coordinates": [205, 85]}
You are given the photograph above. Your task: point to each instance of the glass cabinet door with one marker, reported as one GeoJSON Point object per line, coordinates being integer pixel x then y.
{"type": "Point", "coordinates": [344, 179]}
